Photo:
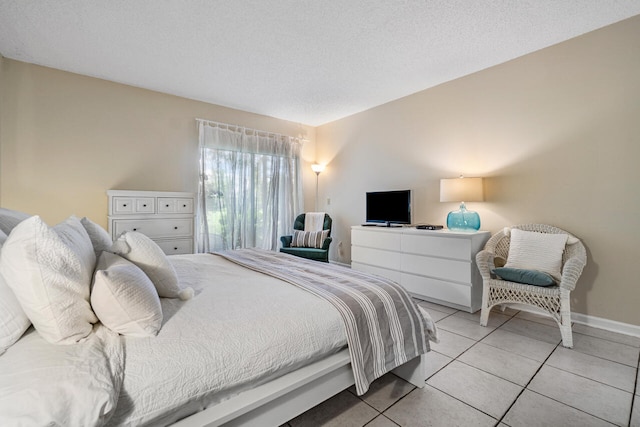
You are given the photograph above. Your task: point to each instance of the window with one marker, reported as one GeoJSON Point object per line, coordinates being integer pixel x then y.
{"type": "Point", "coordinates": [250, 189]}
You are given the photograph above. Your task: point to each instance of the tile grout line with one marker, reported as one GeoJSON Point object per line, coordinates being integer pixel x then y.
{"type": "Point", "coordinates": [529, 382]}
{"type": "Point", "coordinates": [456, 359]}
{"type": "Point", "coordinates": [514, 316]}
{"type": "Point", "coordinates": [467, 404]}
{"type": "Point", "coordinates": [555, 400]}
{"type": "Point", "coordinates": [452, 359]}
{"type": "Point", "coordinates": [594, 380]}
{"type": "Point", "coordinates": [573, 407]}
{"type": "Point", "coordinates": [383, 411]}
{"type": "Point", "coordinates": [500, 420]}
{"type": "Point", "coordinates": [545, 363]}
{"type": "Point", "coordinates": [398, 401]}
{"type": "Point", "coordinates": [633, 395]}
{"type": "Point", "coordinates": [525, 387]}
{"type": "Point", "coordinates": [403, 397]}
{"type": "Point", "coordinates": [380, 414]}
{"type": "Point", "coordinates": [607, 339]}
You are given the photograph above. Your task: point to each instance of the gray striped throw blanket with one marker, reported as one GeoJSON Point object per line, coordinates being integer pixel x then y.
{"type": "Point", "coordinates": [383, 325]}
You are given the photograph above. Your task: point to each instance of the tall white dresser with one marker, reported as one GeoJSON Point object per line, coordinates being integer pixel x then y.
{"type": "Point", "coordinates": [168, 218]}
{"type": "Point", "coordinates": [438, 266]}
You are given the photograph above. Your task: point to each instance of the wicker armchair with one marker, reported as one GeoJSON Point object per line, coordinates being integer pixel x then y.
{"type": "Point", "coordinates": [554, 300]}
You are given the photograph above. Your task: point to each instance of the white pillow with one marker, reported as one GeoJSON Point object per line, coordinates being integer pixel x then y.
{"type": "Point", "coordinates": [10, 218]}
{"type": "Point", "coordinates": [124, 299]}
{"type": "Point", "coordinates": [537, 251]}
{"type": "Point", "coordinates": [100, 239]}
{"type": "Point", "coordinates": [146, 254]}
{"type": "Point", "coordinates": [13, 321]}
{"type": "Point", "coordinates": [49, 271]}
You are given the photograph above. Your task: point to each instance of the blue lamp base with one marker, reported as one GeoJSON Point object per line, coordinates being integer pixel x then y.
{"type": "Point", "coordinates": [463, 220]}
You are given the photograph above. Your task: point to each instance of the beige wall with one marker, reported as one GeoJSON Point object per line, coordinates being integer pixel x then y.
{"type": "Point", "coordinates": [66, 139]}
{"type": "Point", "coordinates": [556, 133]}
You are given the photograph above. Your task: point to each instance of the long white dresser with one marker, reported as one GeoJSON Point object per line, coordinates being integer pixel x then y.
{"type": "Point", "coordinates": [438, 266]}
{"type": "Point", "coordinates": [168, 218]}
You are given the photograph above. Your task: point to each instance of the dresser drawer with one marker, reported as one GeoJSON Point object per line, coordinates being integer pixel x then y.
{"type": "Point", "coordinates": [453, 293]}
{"type": "Point", "coordinates": [175, 205]}
{"type": "Point", "coordinates": [176, 246]}
{"type": "Point", "coordinates": [133, 205]}
{"type": "Point", "coordinates": [155, 228]}
{"type": "Point", "coordinates": [447, 269]}
{"type": "Point", "coordinates": [445, 247]}
{"type": "Point", "coordinates": [376, 239]}
{"type": "Point", "coordinates": [377, 257]}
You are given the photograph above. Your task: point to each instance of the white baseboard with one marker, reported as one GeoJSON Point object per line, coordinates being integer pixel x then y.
{"type": "Point", "coordinates": [593, 321]}
{"type": "Point", "coordinates": [609, 325]}
{"type": "Point", "coordinates": [340, 263]}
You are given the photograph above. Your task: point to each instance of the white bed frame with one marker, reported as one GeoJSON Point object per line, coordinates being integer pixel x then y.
{"type": "Point", "coordinates": [276, 402]}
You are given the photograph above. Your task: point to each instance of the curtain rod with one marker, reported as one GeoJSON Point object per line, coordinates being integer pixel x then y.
{"type": "Point", "coordinates": [244, 128]}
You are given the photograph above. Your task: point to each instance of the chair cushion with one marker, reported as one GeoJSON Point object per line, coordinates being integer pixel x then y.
{"type": "Point", "coordinates": [309, 253]}
{"type": "Point", "coordinates": [530, 250]}
{"type": "Point", "coordinates": [527, 277]}
{"type": "Point", "coordinates": [309, 239]}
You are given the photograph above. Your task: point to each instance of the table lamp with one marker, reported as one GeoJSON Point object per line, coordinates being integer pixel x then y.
{"type": "Point", "coordinates": [460, 190]}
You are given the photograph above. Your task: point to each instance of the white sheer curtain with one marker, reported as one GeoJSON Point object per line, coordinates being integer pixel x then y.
{"type": "Point", "coordinates": [250, 187]}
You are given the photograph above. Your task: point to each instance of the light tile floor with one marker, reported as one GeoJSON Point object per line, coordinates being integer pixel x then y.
{"type": "Point", "coordinates": [514, 372]}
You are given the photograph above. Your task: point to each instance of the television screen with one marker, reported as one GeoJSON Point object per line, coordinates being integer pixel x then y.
{"type": "Point", "coordinates": [393, 207]}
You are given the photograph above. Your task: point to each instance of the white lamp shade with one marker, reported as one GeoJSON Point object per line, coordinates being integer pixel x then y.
{"type": "Point", "coordinates": [317, 168]}
{"type": "Point", "coordinates": [461, 190]}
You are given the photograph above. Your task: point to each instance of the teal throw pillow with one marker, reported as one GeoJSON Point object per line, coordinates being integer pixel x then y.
{"type": "Point", "coordinates": [528, 277]}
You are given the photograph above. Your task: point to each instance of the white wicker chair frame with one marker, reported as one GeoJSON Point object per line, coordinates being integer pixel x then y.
{"type": "Point", "coordinates": [554, 299]}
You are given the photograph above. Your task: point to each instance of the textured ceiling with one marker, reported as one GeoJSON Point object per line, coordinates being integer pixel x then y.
{"type": "Point", "coordinates": [301, 60]}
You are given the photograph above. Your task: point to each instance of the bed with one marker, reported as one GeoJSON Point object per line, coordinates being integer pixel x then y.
{"type": "Point", "coordinates": [248, 348]}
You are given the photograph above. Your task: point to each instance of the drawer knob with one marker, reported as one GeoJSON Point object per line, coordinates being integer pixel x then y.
{"type": "Point", "coordinates": [184, 206]}
{"type": "Point", "coordinates": [166, 206]}
{"type": "Point", "coordinates": [124, 205]}
{"type": "Point", "coordinates": [135, 229]}
{"type": "Point", "coordinates": [175, 249]}
{"type": "Point", "coordinates": [175, 228]}
{"type": "Point", "coordinates": [144, 206]}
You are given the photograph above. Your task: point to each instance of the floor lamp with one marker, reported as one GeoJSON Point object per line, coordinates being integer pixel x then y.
{"type": "Point", "coordinates": [317, 169]}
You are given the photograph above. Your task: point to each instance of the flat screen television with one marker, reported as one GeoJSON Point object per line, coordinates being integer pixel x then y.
{"type": "Point", "coordinates": [389, 207]}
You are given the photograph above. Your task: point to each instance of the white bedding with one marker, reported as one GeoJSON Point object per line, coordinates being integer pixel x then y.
{"type": "Point", "coordinates": [241, 329]}
{"type": "Point", "coordinates": [62, 385]}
